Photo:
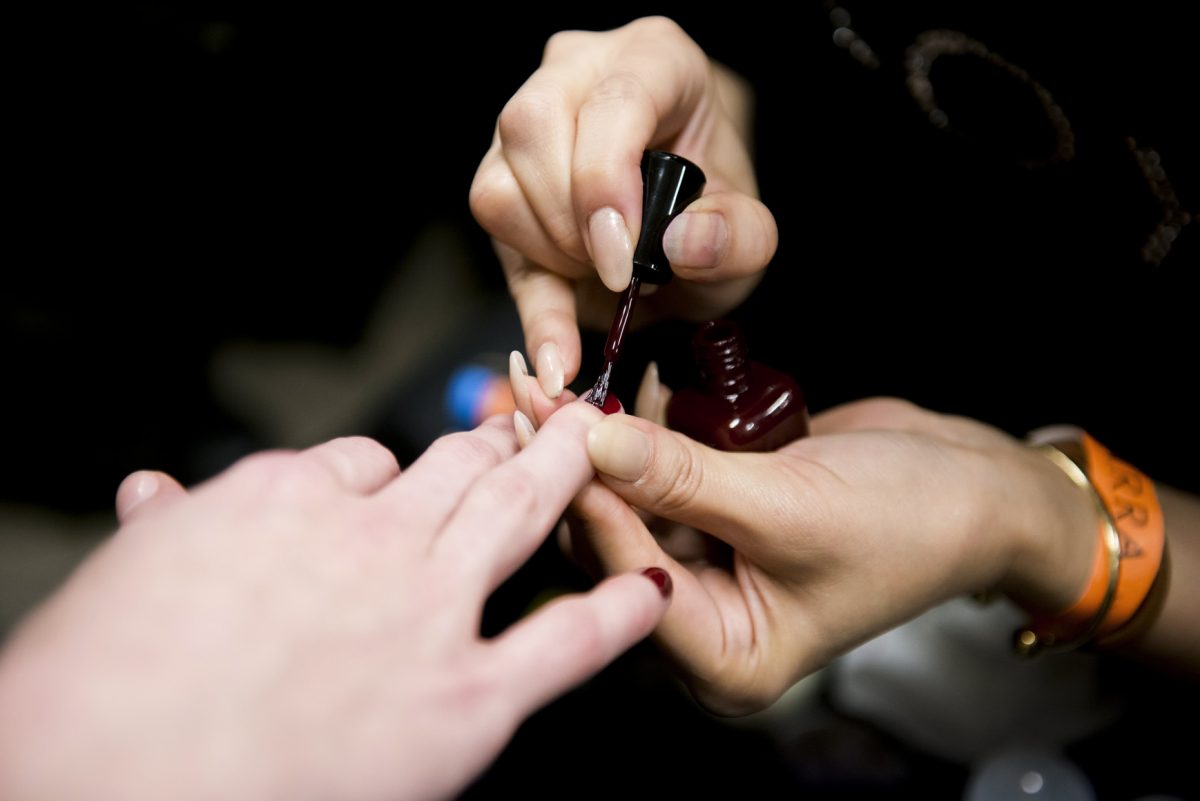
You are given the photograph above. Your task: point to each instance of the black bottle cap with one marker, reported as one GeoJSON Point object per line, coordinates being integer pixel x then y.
{"type": "Point", "coordinates": [669, 184]}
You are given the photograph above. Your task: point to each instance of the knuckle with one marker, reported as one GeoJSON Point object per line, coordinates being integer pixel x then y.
{"type": "Point", "coordinates": [620, 88]}
{"type": "Point", "coordinates": [563, 44]}
{"type": "Point", "coordinates": [283, 475]}
{"type": "Point", "coordinates": [529, 114]}
{"type": "Point", "coordinates": [465, 450]}
{"type": "Point", "coordinates": [515, 490]}
{"type": "Point", "coordinates": [893, 410]}
{"type": "Point", "coordinates": [732, 693]}
{"type": "Point", "coordinates": [492, 192]}
{"type": "Point", "coordinates": [685, 472]}
{"type": "Point", "coordinates": [659, 27]}
{"type": "Point", "coordinates": [367, 449]}
{"type": "Point", "coordinates": [266, 467]}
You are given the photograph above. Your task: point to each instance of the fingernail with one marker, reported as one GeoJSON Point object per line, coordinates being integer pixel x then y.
{"type": "Point", "coordinates": [132, 494]}
{"type": "Point", "coordinates": [611, 405]}
{"type": "Point", "coordinates": [517, 373]}
{"type": "Point", "coordinates": [550, 370]}
{"type": "Point", "coordinates": [612, 250]}
{"type": "Point", "coordinates": [524, 429]}
{"type": "Point", "coordinates": [661, 579]}
{"type": "Point", "coordinates": [696, 239]}
{"type": "Point", "coordinates": [646, 403]}
{"type": "Point", "coordinates": [618, 449]}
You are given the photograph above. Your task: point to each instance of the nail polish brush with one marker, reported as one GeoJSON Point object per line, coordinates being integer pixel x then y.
{"type": "Point", "coordinates": [669, 184]}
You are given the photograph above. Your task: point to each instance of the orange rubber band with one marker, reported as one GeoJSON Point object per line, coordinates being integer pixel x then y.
{"type": "Point", "coordinates": [1133, 506]}
{"type": "Point", "coordinates": [1126, 563]}
{"type": "Point", "coordinates": [1079, 622]}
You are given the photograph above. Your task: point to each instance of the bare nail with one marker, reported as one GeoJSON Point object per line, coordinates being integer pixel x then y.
{"type": "Point", "coordinates": [524, 429]}
{"type": "Point", "coordinates": [517, 375]}
{"type": "Point", "coordinates": [612, 250]}
{"type": "Point", "coordinates": [646, 403]}
{"type": "Point", "coordinates": [696, 239]}
{"type": "Point", "coordinates": [550, 370]}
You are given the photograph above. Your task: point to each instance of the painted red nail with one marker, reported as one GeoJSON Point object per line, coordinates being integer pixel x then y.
{"type": "Point", "coordinates": [661, 579]}
{"type": "Point", "coordinates": [611, 404]}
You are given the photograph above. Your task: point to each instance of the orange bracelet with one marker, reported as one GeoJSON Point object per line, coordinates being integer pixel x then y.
{"type": "Point", "coordinates": [1133, 505]}
{"type": "Point", "coordinates": [1125, 564]}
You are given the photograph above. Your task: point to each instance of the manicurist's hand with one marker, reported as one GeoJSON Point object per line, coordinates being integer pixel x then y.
{"type": "Point", "coordinates": [885, 511]}
{"type": "Point", "coordinates": [306, 625]}
{"type": "Point", "coordinates": [560, 189]}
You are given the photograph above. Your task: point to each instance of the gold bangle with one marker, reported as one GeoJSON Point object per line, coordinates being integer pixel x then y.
{"type": "Point", "coordinates": [1053, 633]}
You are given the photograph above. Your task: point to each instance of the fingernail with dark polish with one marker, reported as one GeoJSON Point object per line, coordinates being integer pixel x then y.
{"type": "Point", "coordinates": [661, 579]}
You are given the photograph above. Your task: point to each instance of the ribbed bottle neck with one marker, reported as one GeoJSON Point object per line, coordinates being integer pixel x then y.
{"type": "Point", "coordinates": [720, 352]}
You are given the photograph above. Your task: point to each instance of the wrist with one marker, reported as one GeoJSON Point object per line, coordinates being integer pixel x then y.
{"type": "Point", "coordinates": [1053, 523]}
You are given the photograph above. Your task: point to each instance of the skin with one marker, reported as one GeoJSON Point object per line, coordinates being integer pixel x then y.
{"type": "Point", "coordinates": [306, 625]}
{"type": "Point", "coordinates": [781, 561]}
{"type": "Point", "coordinates": [567, 148]}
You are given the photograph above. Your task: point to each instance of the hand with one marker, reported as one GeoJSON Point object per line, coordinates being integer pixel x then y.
{"type": "Point", "coordinates": [306, 625]}
{"type": "Point", "coordinates": [560, 189]}
{"type": "Point", "coordinates": [887, 510]}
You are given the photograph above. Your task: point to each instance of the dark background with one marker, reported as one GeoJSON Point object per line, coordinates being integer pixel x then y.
{"type": "Point", "coordinates": [185, 176]}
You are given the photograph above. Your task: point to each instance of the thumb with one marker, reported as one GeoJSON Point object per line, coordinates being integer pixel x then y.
{"type": "Point", "coordinates": [722, 235]}
{"type": "Point", "coordinates": [666, 474]}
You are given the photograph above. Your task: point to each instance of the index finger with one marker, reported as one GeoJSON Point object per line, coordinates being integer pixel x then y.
{"type": "Point", "coordinates": [546, 305]}
{"type": "Point", "coordinates": [509, 511]}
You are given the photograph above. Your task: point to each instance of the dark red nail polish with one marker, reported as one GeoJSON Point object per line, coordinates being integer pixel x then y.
{"type": "Point", "coordinates": [611, 405]}
{"type": "Point", "coordinates": [661, 579]}
{"type": "Point", "coordinates": [741, 405]}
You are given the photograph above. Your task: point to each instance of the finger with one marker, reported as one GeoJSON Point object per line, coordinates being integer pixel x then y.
{"type": "Point", "coordinates": [870, 414]}
{"type": "Point", "coordinates": [519, 379]}
{"type": "Point", "coordinates": [612, 535]}
{"type": "Point", "coordinates": [666, 474]}
{"type": "Point", "coordinates": [546, 305]}
{"type": "Point", "coordinates": [571, 639]}
{"type": "Point", "coordinates": [359, 464]}
{"type": "Point", "coordinates": [536, 130]}
{"type": "Point", "coordinates": [532, 401]}
{"type": "Point", "coordinates": [499, 204]}
{"type": "Point", "coordinates": [896, 414]}
{"type": "Point", "coordinates": [652, 397]}
{"type": "Point", "coordinates": [508, 511]}
{"type": "Point", "coordinates": [721, 236]}
{"type": "Point", "coordinates": [524, 429]}
{"type": "Point", "coordinates": [544, 407]}
{"type": "Point", "coordinates": [434, 485]}
{"type": "Point", "coordinates": [145, 490]}
{"type": "Point", "coordinates": [642, 98]}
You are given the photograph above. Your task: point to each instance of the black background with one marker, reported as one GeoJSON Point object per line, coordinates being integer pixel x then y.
{"type": "Point", "coordinates": [183, 175]}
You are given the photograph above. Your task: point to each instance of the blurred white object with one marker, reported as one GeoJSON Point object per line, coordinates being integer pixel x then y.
{"type": "Point", "coordinates": [949, 683]}
{"type": "Point", "coordinates": [1027, 775]}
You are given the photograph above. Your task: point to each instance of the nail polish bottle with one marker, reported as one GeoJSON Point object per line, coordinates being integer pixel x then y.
{"type": "Point", "coordinates": [739, 405]}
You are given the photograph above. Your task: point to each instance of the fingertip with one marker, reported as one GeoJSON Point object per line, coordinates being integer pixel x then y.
{"type": "Point", "coordinates": [648, 404]}
{"type": "Point", "coordinates": [619, 449]}
{"type": "Point", "coordinates": [518, 378]}
{"type": "Point", "coordinates": [524, 429]}
{"type": "Point", "coordinates": [661, 580]}
{"type": "Point", "coordinates": [141, 487]}
{"type": "Point", "coordinates": [550, 371]}
{"type": "Point", "coordinates": [611, 248]}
